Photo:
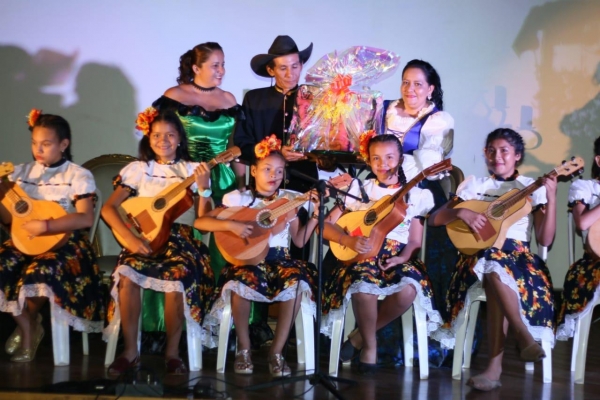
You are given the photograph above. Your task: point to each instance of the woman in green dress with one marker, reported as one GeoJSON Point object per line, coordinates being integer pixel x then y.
{"type": "Point", "coordinates": [208, 114]}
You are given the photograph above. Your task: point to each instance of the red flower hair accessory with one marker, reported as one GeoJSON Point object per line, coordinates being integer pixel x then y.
{"type": "Point", "coordinates": [33, 116]}
{"type": "Point", "coordinates": [266, 146]}
{"type": "Point", "coordinates": [364, 140]}
{"type": "Point", "coordinates": [144, 120]}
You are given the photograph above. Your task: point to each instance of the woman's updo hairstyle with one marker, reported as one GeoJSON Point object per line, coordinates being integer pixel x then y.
{"type": "Point", "coordinates": [432, 78]}
{"type": "Point", "coordinates": [196, 56]}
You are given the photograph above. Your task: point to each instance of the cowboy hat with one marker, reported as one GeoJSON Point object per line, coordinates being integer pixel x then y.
{"type": "Point", "coordinates": [282, 46]}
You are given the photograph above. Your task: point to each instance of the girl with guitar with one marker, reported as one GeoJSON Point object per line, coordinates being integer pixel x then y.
{"type": "Point", "coordinates": [181, 268]}
{"type": "Point", "coordinates": [395, 272]}
{"type": "Point", "coordinates": [516, 282]}
{"type": "Point", "coordinates": [66, 274]}
{"type": "Point", "coordinates": [276, 278]}
{"type": "Point", "coordinates": [582, 279]}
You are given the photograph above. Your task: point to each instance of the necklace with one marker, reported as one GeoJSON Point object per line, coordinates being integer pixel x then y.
{"type": "Point", "coordinates": [170, 162]}
{"type": "Point", "coordinates": [202, 88]}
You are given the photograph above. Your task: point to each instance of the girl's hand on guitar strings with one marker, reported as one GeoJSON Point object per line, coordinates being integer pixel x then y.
{"type": "Point", "coordinates": [139, 246]}
{"type": "Point", "coordinates": [359, 244]}
{"type": "Point", "coordinates": [474, 220]}
{"type": "Point", "coordinates": [202, 176]}
{"type": "Point", "coordinates": [36, 227]}
{"type": "Point", "coordinates": [241, 229]}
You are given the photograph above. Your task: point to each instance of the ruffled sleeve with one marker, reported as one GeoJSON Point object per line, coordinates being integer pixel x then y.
{"type": "Point", "coordinates": [581, 191]}
{"type": "Point", "coordinates": [166, 103]}
{"type": "Point", "coordinates": [539, 198]}
{"type": "Point", "coordinates": [436, 141]}
{"type": "Point", "coordinates": [130, 177]}
{"type": "Point", "coordinates": [353, 204]}
{"type": "Point", "coordinates": [83, 186]}
{"type": "Point", "coordinates": [424, 203]}
{"type": "Point", "coordinates": [467, 190]}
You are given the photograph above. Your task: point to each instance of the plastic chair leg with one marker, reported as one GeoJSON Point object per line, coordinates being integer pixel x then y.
{"type": "Point", "coordinates": [86, 343]}
{"type": "Point", "coordinates": [582, 344]}
{"type": "Point", "coordinates": [547, 362]}
{"type": "Point", "coordinates": [421, 323]}
{"type": "Point", "coordinates": [575, 345]}
{"type": "Point", "coordinates": [194, 344]}
{"type": "Point", "coordinates": [407, 334]}
{"type": "Point", "coordinates": [459, 346]}
{"type": "Point", "coordinates": [336, 344]}
{"type": "Point", "coordinates": [224, 329]}
{"type": "Point", "coordinates": [470, 334]}
{"type": "Point", "coordinates": [305, 335]}
{"type": "Point", "coordinates": [60, 340]}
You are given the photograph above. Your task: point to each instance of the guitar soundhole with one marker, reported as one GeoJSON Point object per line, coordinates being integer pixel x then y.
{"type": "Point", "coordinates": [264, 219]}
{"type": "Point", "coordinates": [159, 204]}
{"type": "Point", "coordinates": [21, 207]}
{"type": "Point", "coordinates": [370, 217]}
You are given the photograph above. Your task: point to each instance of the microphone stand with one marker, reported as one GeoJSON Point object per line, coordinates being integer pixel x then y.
{"type": "Point", "coordinates": [317, 377]}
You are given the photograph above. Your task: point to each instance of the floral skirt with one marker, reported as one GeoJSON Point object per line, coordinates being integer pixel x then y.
{"type": "Point", "coordinates": [69, 277]}
{"type": "Point", "coordinates": [366, 277]}
{"type": "Point", "coordinates": [581, 288]}
{"type": "Point", "coordinates": [183, 266]}
{"type": "Point", "coordinates": [522, 271]}
{"type": "Point", "coordinates": [277, 278]}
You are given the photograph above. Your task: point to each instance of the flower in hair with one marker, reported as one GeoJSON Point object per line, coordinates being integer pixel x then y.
{"type": "Point", "coordinates": [33, 116]}
{"type": "Point", "coordinates": [266, 146]}
{"type": "Point", "coordinates": [144, 120]}
{"type": "Point", "coordinates": [365, 139]}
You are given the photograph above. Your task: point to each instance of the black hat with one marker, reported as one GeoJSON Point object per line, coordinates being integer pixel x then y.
{"type": "Point", "coordinates": [282, 46]}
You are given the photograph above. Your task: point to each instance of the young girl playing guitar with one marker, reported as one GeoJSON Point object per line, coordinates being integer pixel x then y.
{"type": "Point", "coordinates": [181, 269]}
{"type": "Point", "coordinates": [395, 272]}
{"type": "Point", "coordinates": [274, 279]}
{"type": "Point", "coordinates": [516, 282]}
{"type": "Point", "coordinates": [67, 275]}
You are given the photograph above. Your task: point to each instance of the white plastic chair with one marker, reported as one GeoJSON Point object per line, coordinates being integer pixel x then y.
{"type": "Point", "coordinates": [348, 322]}
{"type": "Point", "coordinates": [60, 328]}
{"type": "Point", "coordinates": [582, 326]}
{"type": "Point", "coordinates": [466, 331]}
{"type": "Point", "coordinates": [304, 335]}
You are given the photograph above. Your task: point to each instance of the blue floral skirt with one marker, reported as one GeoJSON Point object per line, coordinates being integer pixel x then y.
{"type": "Point", "coordinates": [366, 277]}
{"type": "Point", "coordinates": [277, 278]}
{"type": "Point", "coordinates": [69, 277]}
{"type": "Point", "coordinates": [522, 271]}
{"type": "Point", "coordinates": [580, 289]}
{"type": "Point", "coordinates": [183, 266]}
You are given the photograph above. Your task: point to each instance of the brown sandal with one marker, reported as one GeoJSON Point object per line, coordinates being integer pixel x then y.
{"type": "Point", "coordinates": [122, 364]}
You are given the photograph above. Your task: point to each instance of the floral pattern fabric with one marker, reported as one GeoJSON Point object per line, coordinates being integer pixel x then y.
{"type": "Point", "coordinates": [277, 278]}
{"type": "Point", "coordinates": [581, 287]}
{"type": "Point", "coordinates": [522, 271]}
{"type": "Point", "coordinates": [183, 266]}
{"type": "Point", "coordinates": [69, 277]}
{"type": "Point", "coordinates": [366, 277]}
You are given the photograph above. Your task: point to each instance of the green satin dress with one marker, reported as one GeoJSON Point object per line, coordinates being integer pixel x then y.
{"type": "Point", "coordinates": [208, 135]}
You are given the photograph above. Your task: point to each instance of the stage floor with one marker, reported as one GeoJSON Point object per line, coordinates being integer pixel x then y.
{"type": "Point", "coordinates": [85, 377]}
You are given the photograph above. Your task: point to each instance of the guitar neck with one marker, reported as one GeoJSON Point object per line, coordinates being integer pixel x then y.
{"type": "Point", "coordinates": [187, 182]}
{"type": "Point", "coordinates": [523, 193]}
{"type": "Point", "coordinates": [289, 206]}
{"type": "Point", "coordinates": [402, 191]}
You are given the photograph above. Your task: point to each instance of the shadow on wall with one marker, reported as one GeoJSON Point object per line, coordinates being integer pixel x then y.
{"type": "Point", "coordinates": [102, 119]}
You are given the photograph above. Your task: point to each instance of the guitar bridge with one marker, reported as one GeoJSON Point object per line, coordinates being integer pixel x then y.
{"type": "Point", "coordinates": [134, 223]}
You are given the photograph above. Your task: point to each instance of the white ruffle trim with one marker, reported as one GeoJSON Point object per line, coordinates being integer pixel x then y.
{"type": "Point", "coordinates": [434, 318]}
{"type": "Point", "coordinates": [567, 330]}
{"type": "Point", "coordinates": [213, 319]}
{"type": "Point", "coordinates": [153, 284]}
{"type": "Point", "coordinates": [56, 312]}
{"type": "Point", "coordinates": [447, 336]}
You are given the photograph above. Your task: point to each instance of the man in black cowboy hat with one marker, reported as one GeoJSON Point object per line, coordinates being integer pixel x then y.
{"type": "Point", "coordinates": [269, 110]}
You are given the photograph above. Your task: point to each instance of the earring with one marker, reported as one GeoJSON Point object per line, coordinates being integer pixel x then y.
{"type": "Point", "coordinates": [429, 97]}
{"type": "Point", "coordinates": [178, 144]}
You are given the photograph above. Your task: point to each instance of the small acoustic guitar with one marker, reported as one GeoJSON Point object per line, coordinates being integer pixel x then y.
{"type": "Point", "coordinates": [150, 218]}
{"type": "Point", "coordinates": [381, 218]}
{"type": "Point", "coordinates": [266, 221]}
{"type": "Point", "coordinates": [502, 213]}
{"type": "Point", "coordinates": [24, 209]}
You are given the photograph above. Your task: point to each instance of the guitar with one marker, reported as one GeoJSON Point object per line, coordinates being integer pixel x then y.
{"type": "Point", "coordinates": [150, 218]}
{"type": "Point", "coordinates": [501, 214]}
{"type": "Point", "coordinates": [381, 218]}
{"type": "Point", "coordinates": [266, 221]}
{"type": "Point", "coordinates": [24, 209]}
